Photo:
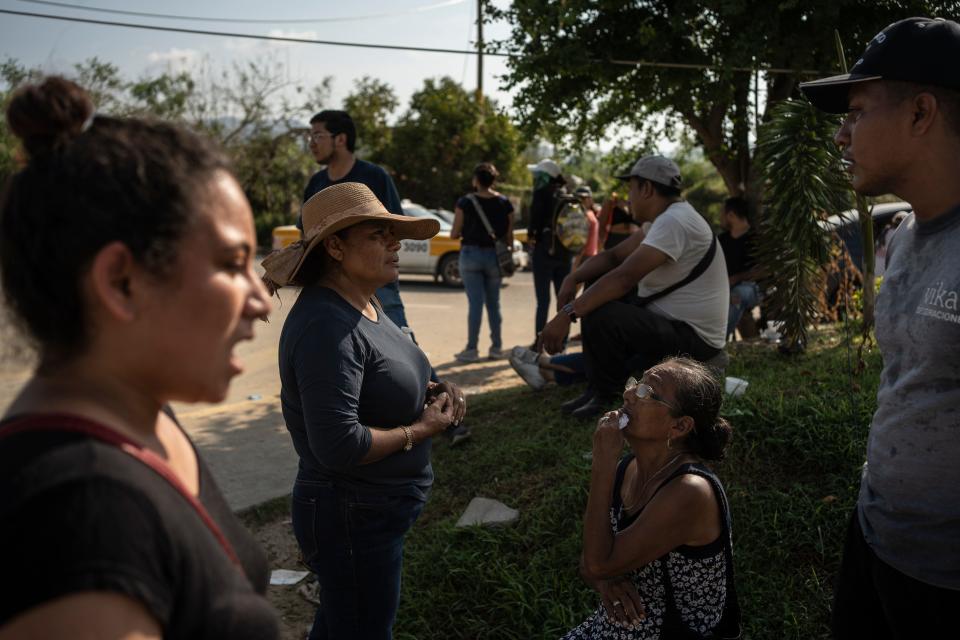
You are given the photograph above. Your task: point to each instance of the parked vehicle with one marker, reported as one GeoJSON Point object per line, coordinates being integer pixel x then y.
{"type": "Point", "coordinates": [439, 256]}
{"type": "Point", "coordinates": [846, 227]}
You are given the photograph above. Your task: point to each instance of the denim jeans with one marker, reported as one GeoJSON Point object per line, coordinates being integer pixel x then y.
{"type": "Point", "coordinates": [573, 361]}
{"type": "Point", "coordinates": [353, 541]}
{"type": "Point", "coordinates": [389, 297]}
{"type": "Point", "coordinates": [547, 269]}
{"type": "Point", "coordinates": [481, 278]}
{"type": "Point", "coordinates": [749, 296]}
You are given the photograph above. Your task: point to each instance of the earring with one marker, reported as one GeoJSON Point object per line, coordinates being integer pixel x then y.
{"type": "Point", "coordinates": [668, 443]}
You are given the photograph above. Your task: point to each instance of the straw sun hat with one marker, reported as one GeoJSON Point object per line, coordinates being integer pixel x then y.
{"type": "Point", "coordinates": [330, 210]}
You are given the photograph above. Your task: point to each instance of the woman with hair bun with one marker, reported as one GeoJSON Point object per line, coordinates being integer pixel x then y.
{"type": "Point", "coordinates": [126, 255]}
{"type": "Point", "coordinates": [482, 218]}
{"type": "Point", "coordinates": [656, 533]}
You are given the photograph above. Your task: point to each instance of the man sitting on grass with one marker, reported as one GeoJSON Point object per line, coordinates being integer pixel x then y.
{"type": "Point", "coordinates": [660, 294]}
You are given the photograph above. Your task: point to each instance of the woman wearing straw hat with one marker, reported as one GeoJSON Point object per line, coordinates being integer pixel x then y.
{"type": "Point", "coordinates": [358, 402]}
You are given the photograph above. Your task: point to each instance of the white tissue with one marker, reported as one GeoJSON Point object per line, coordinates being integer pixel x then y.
{"type": "Point", "coordinates": [624, 420]}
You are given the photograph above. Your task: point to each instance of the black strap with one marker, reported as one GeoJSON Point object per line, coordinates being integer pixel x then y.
{"type": "Point", "coordinates": [483, 216]}
{"type": "Point", "coordinates": [618, 481]}
{"type": "Point", "coordinates": [728, 628]}
{"type": "Point", "coordinates": [695, 273]}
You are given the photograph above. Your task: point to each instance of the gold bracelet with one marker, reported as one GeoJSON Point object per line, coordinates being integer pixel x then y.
{"type": "Point", "coordinates": [409, 435]}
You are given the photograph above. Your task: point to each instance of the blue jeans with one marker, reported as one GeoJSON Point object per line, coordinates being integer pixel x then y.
{"type": "Point", "coordinates": [573, 361]}
{"type": "Point", "coordinates": [547, 269]}
{"type": "Point", "coordinates": [353, 541]}
{"type": "Point", "coordinates": [749, 296]}
{"type": "Point", "coordinates": [481, 278]}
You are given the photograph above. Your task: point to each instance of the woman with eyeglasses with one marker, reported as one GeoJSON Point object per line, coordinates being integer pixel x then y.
{"type": "Point", "coordinates": [656, 533]}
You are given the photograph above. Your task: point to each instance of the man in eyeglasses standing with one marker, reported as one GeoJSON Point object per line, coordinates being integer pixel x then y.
{"type": "Point", "coordinates": [333, 138]}
{"type": "Point", "coordinates": [900, 574]}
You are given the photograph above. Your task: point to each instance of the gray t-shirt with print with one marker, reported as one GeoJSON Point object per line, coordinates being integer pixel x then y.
{"type": "Point", "coordinates": [910, 492]}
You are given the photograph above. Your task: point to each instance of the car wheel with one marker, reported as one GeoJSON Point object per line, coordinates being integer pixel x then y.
{"type": "Point", "coordinates": [449, 270]}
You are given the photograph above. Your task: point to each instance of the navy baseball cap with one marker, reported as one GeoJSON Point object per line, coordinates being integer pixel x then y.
{"type": "Point", "coordinates": [920, 50]}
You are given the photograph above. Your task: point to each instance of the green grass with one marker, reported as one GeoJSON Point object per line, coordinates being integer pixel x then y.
{"type": "Point", "coordinates": [791, 472]}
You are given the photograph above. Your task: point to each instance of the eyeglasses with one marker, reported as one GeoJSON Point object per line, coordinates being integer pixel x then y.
{"type": "Point", "coordinates": [316, 135]}
{"type": "Point", "coordinates": [646, 392]}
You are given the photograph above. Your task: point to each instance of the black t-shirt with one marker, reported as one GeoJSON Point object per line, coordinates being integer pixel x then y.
{"type": "Point", "coordinates": [497, 210]}
{"type": "Point", "coordinates": [80, 515]}
{"type": "Point", "coordinates": [542, 207]}
{"type": "Point", "coordinates": [621, 216]}
{"type": "Point", "coordinates": [737, 251]}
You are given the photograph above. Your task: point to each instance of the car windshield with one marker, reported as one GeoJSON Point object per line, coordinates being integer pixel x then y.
{"type": "Point", "coordinates": [444, 214]}
{"type": "Point", "coordinates": [417, 211]}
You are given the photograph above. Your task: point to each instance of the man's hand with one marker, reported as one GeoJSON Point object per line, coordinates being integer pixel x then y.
{"type": "Point", "coordinates": [567, 292]}
{"type": "Point", "coordinates": [552, 337]}
{"type": "Point", "coordinates": [621, 601]}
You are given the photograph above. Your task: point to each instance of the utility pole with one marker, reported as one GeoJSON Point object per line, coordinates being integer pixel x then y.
{"type": "Point", "coordinates": [479, 51]}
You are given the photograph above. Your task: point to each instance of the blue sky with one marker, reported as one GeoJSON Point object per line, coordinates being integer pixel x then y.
{"type": "Point", "coordinates": [56, 46]}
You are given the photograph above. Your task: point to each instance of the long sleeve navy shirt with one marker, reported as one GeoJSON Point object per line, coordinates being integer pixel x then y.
{"type": "Point", "coordinates": [341, 373]}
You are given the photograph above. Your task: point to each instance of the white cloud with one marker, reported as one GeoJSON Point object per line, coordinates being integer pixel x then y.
{"type": "Point", "coordinates": [174, 55]}
{"type": "Point", "coordinates": [303, 35]}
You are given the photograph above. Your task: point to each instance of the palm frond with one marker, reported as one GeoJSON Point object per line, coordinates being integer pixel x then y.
{"type": "Point", "coordinates": [802, 183]}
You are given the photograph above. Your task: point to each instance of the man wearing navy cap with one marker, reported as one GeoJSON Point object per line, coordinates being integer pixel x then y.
{"type": "Point", "coordinates": [900, 575]}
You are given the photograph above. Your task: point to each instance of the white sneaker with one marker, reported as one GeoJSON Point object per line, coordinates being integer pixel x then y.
{"type": "Point", "coordinates": [524, 362]}
{"type": "Point", "coordinates": [496, 354]}
{"type": "Point", "coordinates": [468, 355]}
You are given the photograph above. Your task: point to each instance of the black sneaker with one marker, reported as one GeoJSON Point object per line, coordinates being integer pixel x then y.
{"type": "Point", "coordinates": [597, 405]}
{"type": "Point", "coordinates": [572, 405]}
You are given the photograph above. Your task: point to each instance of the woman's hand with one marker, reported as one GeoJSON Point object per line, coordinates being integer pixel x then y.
{"type": "Point", "coordinates": [436, 416]}
{"type": "Point", "coordinates": [456, 395]}
{"type": "Point", "coordinates": [621, 600]}
{"type": "Point", "coordinates": [607, 438]}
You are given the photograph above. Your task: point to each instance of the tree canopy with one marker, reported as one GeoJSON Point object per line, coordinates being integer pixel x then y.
{"type": "Point", "coordinates": [711, 67]}
{"type": "Point", "coordinates": [441, 137]}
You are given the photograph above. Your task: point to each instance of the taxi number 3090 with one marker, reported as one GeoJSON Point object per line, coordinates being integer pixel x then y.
{"type": "Point", "coordinates": [415, 246]}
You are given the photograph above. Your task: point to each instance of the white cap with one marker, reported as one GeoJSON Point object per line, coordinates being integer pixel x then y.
{"type": "Point", "coordinates": [546, 166]}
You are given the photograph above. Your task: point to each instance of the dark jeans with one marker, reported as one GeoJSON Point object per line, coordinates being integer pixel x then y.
{"type": "Point", "coordinates": [572, 361]}
{"type": "Point", "coordinates": [622, 337]}
{"type": "Point", "coordinates": [354, 543]}
{"type": "Point", "coordinates": [547, 269]}
{"type": "Point", "coordinates": [874, 600]}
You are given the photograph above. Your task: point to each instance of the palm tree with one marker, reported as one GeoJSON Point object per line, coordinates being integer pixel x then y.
{"type": "Point", "coordinates": [802, 182]}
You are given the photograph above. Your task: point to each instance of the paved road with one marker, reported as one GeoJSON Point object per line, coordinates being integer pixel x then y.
{"type": "Point", "coordinates": [244, 439]}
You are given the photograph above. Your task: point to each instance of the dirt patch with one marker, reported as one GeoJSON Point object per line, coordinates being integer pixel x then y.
{"type": "Point", "coordinates": [275, 536]}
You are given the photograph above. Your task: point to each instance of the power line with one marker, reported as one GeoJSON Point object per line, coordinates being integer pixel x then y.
{"type": "Point", "coordinates": [165, 16]}
{"type": "Point", "coordinates": [251, 36]}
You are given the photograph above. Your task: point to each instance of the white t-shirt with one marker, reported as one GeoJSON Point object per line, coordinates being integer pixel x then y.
{"type": "Point", "coordinates": [683, 234]}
